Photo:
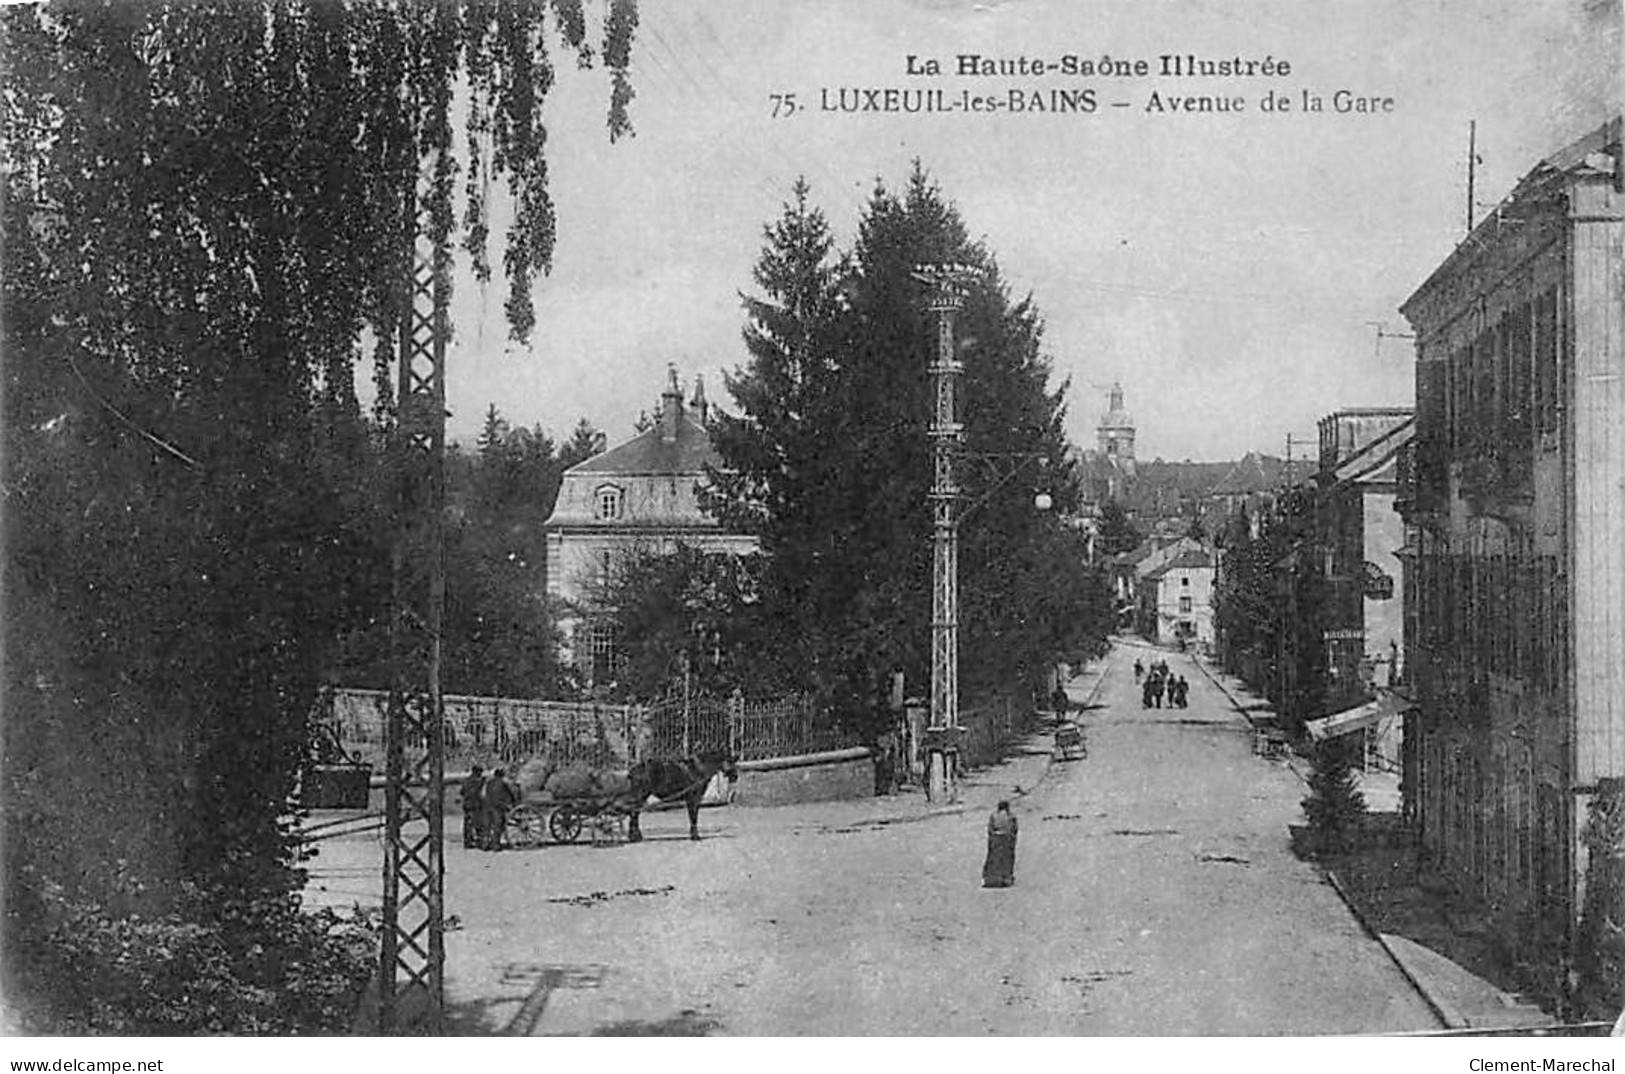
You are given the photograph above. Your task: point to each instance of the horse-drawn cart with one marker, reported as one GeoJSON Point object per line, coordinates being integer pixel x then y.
{"type": "Point", "coordinates": [533, 820]}
{"type": "Point", "coordinates": [560, 803]}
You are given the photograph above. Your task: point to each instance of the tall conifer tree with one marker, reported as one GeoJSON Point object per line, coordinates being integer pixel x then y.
{"type": "Point", "coordinates": [829, 461]}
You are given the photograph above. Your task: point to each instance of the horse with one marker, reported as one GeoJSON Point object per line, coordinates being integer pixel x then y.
{"type": "Point", "coordinates": [684, 778]}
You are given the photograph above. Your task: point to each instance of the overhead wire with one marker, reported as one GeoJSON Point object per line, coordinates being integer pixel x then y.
{"type": "Point", "coordinates": [766, 183]}
{"type": "Point", "coordinates": [784, 173]}
{"type": "Point", "coordinates": [817, 163]}
{"type": "Point", "coordinates": [150, 437]}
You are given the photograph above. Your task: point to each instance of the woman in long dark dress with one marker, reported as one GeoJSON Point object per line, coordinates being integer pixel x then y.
{"type": "Point", "coordinates": [999, 870]}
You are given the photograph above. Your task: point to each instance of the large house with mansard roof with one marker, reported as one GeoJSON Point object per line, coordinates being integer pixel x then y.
{"type": "Point", "coordinates": [640, 495]}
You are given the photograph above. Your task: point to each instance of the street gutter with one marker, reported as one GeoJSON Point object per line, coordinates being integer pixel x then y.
{"type": "Point", "coordinates": [1447, 1015]}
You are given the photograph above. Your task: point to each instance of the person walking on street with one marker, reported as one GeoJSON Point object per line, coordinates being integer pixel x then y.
{"type": "Point", "coordinates": [999, 869]}
{"type": "Point", "coordinates": [1184, 692]}
{"type": "Point", "coordinates": [1059, 702]}
{"type": "Point", "coordinates": [499, 798]}
{"type": "Point", "coordinates": [473, 799]}
{"type": "Point", "coordinates": [1157, 688]}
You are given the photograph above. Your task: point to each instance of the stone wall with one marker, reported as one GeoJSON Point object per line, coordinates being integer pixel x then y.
{"type": "Point", "coordinates": [813, 777]}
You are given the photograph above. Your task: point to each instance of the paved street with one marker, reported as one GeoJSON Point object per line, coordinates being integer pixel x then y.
{"type": "Point", "coordinates": [1155, 895]}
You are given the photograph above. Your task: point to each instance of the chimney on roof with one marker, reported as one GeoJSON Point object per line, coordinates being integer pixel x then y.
{"type": "Point", "coordinates": [702, 409]}
{"type": "Point", "coordinates": [671, 406]}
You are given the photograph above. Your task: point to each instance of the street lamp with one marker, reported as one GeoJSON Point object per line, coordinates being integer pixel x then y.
{"type": "Point", "coordinates": [949, 285]}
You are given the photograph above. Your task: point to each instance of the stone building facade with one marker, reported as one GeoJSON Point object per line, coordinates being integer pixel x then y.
{"type": "Point", "coordinates": [1361, 539]}
{"type": "Point", "coordinates": [1513, 491]}
{"type": "Point", "coordinates": [638, 496]}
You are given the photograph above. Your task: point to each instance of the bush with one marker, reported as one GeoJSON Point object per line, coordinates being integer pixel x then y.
{"type": "Point", "coordinates": [1335, 805]}
{"type": "Point", "coordinates": [263, 967]}
{"type": "Point", "coordinates": [1600, 945]}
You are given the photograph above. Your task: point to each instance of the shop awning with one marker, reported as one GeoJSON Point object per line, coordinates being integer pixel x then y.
{"type": "Point", "coordinates": [1357, 718]}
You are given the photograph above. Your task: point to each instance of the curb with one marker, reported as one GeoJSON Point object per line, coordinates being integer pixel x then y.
{"type": "Point", "coordinates": [1094, 691]}
{"type": "Point", "coordinates": [1223, 689]}
{"type": "Point", "coordinates": [1242, 712]}
{"type": "Point", "coordinates": [1447, 1015]}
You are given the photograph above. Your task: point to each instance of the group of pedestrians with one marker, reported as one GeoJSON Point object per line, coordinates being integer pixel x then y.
{"type": "Point", "coordinates": [1160, 683]}
{"type": "Point", "coordinates": [486, 802]}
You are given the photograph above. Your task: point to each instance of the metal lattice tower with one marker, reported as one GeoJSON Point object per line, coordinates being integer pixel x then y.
{"type": "Point", "coordinates": [412, 978]}
{"type": "Point", "coordinates": [950, 284]}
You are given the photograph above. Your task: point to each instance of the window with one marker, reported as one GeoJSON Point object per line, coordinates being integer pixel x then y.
{"type": "Point", "coordinates": [1519, 405]}
{"type": "Point", "coordinates": [603, 659]}
{"type": "Point", "coordinates": [606, 569]}
{"type": "Point", "coordinates": [1184, 605]}
{"type": "Point", "coordinates": [1482, 412]}
{"type": "Point", "coordinates": [1548, 382]}
{"type": "Point", "coordinates": [1461, 402]}
{"type": "Point", "coordinates": [609, 502]}
{"type": "Point", "coordinates": [1185, 580]}
{"type": "Point", "coordinates": [1429, 467]}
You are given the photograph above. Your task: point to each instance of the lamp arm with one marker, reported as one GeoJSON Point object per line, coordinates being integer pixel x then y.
{"type": "Point", "coordinates": [999, 484]}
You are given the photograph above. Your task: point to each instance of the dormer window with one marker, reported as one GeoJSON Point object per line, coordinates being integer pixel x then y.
{"type": "Point", "coordinates": [609, 503]}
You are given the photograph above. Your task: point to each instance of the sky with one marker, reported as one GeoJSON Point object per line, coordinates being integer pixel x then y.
{"type": "Point", "coordinates": [1231, 271]}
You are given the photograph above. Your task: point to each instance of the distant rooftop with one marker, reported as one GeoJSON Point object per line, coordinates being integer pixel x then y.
{"type": "Point", "coordinates": [1190, 559]}
{"type": "Point", "coordinates": [650, 453]}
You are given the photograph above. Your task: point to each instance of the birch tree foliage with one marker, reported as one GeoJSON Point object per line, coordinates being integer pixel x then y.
{"type": "Point", "coordinates": [206, 213]}
{"type": "Point", "coordinates": [278, 145]}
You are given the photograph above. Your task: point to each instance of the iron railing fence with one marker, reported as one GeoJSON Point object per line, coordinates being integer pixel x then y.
{"type": "Point", "coordinates": [510, 731]}
{"type": "Point", "coordinates": [786, 727]}
{"type": "Point", "coordinates": [495, 730]}
{"type": "Point", "coordinates": [752, 730]}
{"type": "Point", "coordinates": [680, 726]}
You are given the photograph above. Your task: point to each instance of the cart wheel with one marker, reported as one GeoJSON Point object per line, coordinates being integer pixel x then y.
{"type": "Point", "coordinates": [526, 823]}
{"type": "Point", "coordinates": [565, 824]}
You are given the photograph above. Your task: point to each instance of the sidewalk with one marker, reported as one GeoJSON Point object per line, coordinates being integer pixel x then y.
{"type": "Point", "coordinates": [1461, 999]}
{"type": "Point", "coordinates": [1013, 778]}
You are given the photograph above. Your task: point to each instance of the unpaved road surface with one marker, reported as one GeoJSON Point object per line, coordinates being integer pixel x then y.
{"type": "Point", "coordinates": [1155, 895]}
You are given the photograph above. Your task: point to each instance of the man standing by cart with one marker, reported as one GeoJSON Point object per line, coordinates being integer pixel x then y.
{"type": "Point", "coordinates": [473, 799]}
{"type": "Point", "coordinates": [499, 798]}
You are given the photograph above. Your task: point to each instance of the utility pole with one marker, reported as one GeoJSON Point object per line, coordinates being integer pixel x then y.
{"type": "Point", "coordinates": [1472, 168]}
{"type": "Point", "coordinates": [412, 963]}
{"type": "Point", "coordinates": [1382, 334]}
{"type": "Point", "coordinates": [949, 284]}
